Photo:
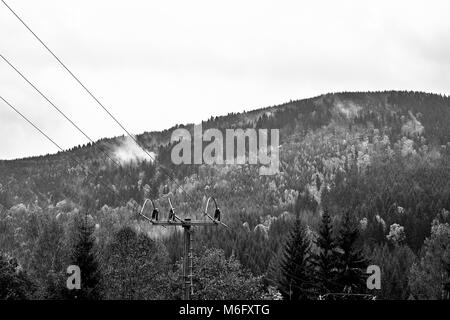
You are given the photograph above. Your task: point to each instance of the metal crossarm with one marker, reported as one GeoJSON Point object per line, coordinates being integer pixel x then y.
{"type": "Point", "coordinates": [187, 224]}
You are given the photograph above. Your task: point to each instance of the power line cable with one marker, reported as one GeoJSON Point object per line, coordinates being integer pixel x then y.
{"type": "Point", "coordinates": [58, 109]}
{"type": "Point", "coordinates": [31, 123]}
{"type": "Point", "coordinates": [93, 96]}
{"type": "Point", "coordinates": [54, 143]}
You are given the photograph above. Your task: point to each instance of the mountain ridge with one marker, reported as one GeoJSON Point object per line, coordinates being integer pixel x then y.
{"type": "Point", "coordinates": [155, 138]}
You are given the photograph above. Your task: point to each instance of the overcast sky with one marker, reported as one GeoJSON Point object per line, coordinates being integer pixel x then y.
{"type": "Point", "coordinates": [159, 63]}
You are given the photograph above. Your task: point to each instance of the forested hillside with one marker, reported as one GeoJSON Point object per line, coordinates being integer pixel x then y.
{"type": "Point", "coordinates": [371, 168]}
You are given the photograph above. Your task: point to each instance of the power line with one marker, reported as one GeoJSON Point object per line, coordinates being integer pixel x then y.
{"type": "Point", "coordinates": [53, 142]}
{"type": "Point", "coordinates": [31, 123]}
{"type": "Point", "coordinates": [57, 109]}
{"type": "Point", "coordinates": [93, 96]}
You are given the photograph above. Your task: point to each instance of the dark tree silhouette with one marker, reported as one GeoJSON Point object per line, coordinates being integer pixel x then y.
{"type": "Point", "coordinates": [326, 259]}
{"type": "Point", "coordinates": [297, 279]}
{"type": "Point", "coordinates": [351, 262]}
{"type": "Point", "coordinates": [85, 258]}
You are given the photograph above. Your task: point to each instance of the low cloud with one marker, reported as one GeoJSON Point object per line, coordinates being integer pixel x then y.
{"type": "Point", "coordinates": [129, 152]}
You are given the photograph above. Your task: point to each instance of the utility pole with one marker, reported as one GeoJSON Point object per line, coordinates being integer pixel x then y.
{"type": "Point", "coordinates": [186, 260]}
{"type": "Point", "coordinates": [187, 225]}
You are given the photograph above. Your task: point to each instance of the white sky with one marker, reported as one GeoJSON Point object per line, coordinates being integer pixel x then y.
{"type": "Point", "coordinates": [159, 63]}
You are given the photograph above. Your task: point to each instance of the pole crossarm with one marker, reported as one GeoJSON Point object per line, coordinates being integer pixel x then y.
{"type": "Point", "coordinates": [187, 224]}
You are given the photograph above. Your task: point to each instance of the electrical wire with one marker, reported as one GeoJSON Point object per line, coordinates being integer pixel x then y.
{"type": "Point", "coordinates": [54, 143]}
{"type": "Point", "coordinates": [93, 96]}
{"type": "Point", "coordinates": [58, 109]}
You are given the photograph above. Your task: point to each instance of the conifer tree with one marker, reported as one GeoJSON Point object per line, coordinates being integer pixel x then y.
{"type": "Point", "coordinates": [351, 276]}
{"type": "Point", "coordinates": [325, 259]}
{"type": "Point", "coordinates": [297, 276]}
{"type": "Point", "coordinates": [85, 258]}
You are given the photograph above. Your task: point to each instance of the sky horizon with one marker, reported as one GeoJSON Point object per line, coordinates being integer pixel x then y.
{"type": "Point", "coordinates": [155, 65]}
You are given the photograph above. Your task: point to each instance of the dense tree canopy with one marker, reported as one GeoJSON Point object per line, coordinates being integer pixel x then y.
{"type": "Point", "coordinates": [382, 157]}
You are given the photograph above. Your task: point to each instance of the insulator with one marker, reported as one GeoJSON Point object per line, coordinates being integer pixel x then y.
{"type": "Point", "coordinates": [155, 214]}
{"type": "Point", "coordinates": [217, 214]}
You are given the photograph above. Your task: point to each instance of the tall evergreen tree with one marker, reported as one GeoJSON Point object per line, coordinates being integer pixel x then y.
{"type": "Point", "coordinates": [85, 258]}
{"type": "Point", "coordinates": [297, 276]}
{"type": "Point", "coordinates": [326, 259]}
{"type": "Point", "coordinates": [352, 264]}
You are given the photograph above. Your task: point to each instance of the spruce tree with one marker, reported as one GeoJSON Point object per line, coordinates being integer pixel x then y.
{"type": "Point", "coordinates": [352, 265]}
{"type": "Point", "coordinates": [325, 259]}
{"type": "Point", "coordinates": [85, 258]}
{"type": "Point", "coordinates": [297, 276]}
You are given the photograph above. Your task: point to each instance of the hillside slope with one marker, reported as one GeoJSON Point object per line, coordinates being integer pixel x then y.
{"type": "Point", "coordinates": [382, 155]}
